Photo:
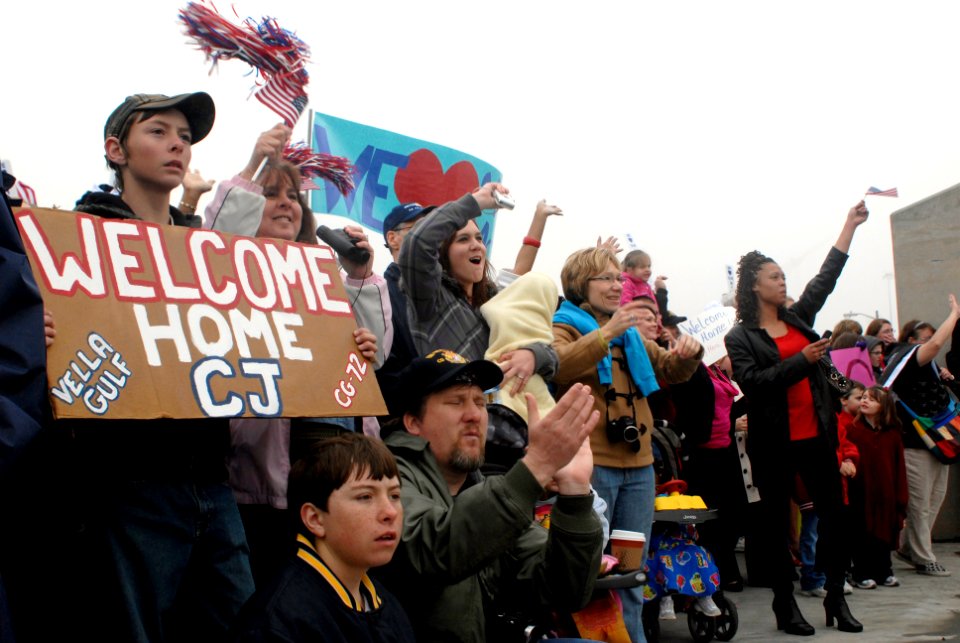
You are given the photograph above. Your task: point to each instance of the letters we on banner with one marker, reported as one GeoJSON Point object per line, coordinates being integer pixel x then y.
{"type": "Point", "coordinates": [157, 321]}
{"type": "Point", "coordinates": [390, 168]}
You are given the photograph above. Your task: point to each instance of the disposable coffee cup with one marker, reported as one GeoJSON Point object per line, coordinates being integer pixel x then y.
{"type": "Point", "coordinates": [627, 547]}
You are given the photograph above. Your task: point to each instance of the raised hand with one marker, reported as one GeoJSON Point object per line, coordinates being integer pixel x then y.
{"type": "Point", "coordinates": [611, 244]}
{"type": "Point", "coordinates": [555, 439]}
{"type": "Point", "coordinates": [194, 183]}
{"type": "Point", "coordinates": [623, 318]}
{"type": "Point", "coordinates": [686, 347]}
{"type": "Point", "coordinates": [544, 209]}
{"type": "Point", "coordinates": [356, 270]}
{"type": "Point", "coordinates": [484, 195]}
{"type": "Point", "coordinates": [574, 479]}
{"type": "Point", "coordinates": [858, 213]}
{"type": "Point", "coordinates": [269, 146]}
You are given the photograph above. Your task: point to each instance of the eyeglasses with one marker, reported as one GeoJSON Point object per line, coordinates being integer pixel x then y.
{"type": "Point", "coordinates": [404, 228]}
{"type": "Point", "coordinates": [608, 279]}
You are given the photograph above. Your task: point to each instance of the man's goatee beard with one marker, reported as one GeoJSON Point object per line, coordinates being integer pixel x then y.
{"type": "Point", "coordinates": [460, 461]}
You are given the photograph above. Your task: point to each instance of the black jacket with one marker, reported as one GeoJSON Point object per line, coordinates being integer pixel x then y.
{"type": "Point", "coordinates": [307, 602]}
{"type": "Point", "coordinates": [764, 378]}
{"type": "Point", "coordinates": [24, 404]}
{"type": "Point", "coordinates": [111, 206]}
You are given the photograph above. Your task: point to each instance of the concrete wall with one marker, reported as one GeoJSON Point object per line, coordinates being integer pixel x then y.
{"type": "Point", "coordinates": [926, 260]}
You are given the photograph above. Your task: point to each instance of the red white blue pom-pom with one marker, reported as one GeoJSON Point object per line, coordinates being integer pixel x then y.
{"type": "Point", "coordinates": [316, 165]}
{"type": "Point", "coordinates": [278, 55]}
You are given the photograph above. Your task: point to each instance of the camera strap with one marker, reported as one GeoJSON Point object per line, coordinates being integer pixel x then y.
{"type": "Point", "coordinates": [611, 394]}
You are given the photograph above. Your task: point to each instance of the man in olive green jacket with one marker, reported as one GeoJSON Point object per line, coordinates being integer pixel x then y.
{"type": "Point", "coordinates": [470, 547]}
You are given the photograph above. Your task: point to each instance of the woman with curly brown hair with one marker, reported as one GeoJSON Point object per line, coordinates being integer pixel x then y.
{"type": "Point", "coordinates": [447, 278]}
{"type": "Point", "coordinates": [793, 424]}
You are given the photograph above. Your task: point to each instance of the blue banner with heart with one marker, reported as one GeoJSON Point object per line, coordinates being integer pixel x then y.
{"type": "Point", "coordinates": [390, 169]}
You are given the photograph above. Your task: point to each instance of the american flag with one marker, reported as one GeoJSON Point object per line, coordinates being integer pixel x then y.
{"type": "Point", "coordinates": [878, 192]}
{"type": "Point", "coordinates": [21, 190]}
{"type": "Point", "coordinates": [277, 54]}
{"type": "Point", "coordinates": [285, 98]}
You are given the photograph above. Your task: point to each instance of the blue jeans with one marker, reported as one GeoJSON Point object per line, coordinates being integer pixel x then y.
{"type": "Point", "coordinates": [629, 495]}
{"type": "Point", "coordinates": [809, 577]}
{"type": "Point", "coordinates": [176, 563]}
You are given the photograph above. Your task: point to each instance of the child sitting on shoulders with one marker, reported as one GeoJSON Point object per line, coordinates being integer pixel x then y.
{"type": "Point", "coordinates": [878, 495]}
{"type": "Point", "coordinates": [636, 281]}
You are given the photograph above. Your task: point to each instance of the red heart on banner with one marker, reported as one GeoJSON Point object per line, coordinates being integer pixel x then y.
{"type": "Point", "coordinates": [424, 181]}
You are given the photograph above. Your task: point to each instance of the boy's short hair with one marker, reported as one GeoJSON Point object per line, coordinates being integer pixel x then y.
{"type": "Point", "coordinates": [331, 463]}
{"type": "Point", "coordinates": [854, 387]}
{"type": "Point", "coordinates": [634, 257]}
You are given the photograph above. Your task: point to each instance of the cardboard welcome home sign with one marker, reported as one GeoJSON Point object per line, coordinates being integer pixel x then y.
{"type": "Point", "coordinates": [162, 321]}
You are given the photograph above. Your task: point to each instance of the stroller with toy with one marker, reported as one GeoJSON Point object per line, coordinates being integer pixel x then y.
{"type": "Point", "coordinates": [681, 574]}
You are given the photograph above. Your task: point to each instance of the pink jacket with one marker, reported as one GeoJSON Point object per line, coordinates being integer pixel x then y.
{"type": "Point", "coordinates": [633, 287]}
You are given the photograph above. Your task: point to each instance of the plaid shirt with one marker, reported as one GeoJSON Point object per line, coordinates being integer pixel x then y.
{"type": "Point", "coordinates": [439, 313]}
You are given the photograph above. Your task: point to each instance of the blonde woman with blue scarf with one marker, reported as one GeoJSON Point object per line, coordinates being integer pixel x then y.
{"type": "Point", "coordinates": [598, 344]}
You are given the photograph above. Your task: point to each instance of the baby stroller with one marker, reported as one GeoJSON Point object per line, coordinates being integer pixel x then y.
{"type": "Point", "coordinates": [672, 516]}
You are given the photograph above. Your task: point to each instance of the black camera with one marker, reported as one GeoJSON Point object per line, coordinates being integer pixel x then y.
{"type": "Point", "coordinates": [344, 245]}
{"type": "Point", "coordinates": [624, 429]}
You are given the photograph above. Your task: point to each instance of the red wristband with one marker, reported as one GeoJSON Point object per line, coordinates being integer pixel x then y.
{"type": "Point", "coordinates": [530, 241]}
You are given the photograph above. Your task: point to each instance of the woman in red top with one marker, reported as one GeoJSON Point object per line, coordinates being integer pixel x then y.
{"type": "Point", "coordinates": [793, 423]}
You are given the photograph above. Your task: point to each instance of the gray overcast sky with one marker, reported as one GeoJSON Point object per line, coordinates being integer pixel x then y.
{"type": "Point", "coordinates": [703, 129]}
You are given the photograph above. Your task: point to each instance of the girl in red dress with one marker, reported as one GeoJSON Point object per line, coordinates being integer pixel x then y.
{"type": "Point", "coordinates": [878, 494]}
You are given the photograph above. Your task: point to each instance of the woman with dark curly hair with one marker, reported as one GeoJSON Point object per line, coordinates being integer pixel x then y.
{"type": "Point", "coordinates": [793, 424]}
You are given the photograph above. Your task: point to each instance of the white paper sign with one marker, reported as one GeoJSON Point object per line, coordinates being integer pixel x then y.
{"type": "Point", "coordinates": [710, 327]}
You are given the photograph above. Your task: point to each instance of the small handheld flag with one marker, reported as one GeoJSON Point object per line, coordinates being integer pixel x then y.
{"type": "Point", "coordinates": [878, 192]}
{"type": "Point", "coordinates": [21, 190]}
{"type": "Point", "coordinates": [278, 55]}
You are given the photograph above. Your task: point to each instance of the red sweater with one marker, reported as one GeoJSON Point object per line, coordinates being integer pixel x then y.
{"type": "Point", "coordinates": [881, 479]}
{"type": "Point", "coordinates": [803, 417]}
{"type": "Point", "coordinates": [846, 450]}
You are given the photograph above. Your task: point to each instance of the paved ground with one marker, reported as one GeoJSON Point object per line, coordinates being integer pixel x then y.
{"type": "Point", "coordinates": [923, 608]}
